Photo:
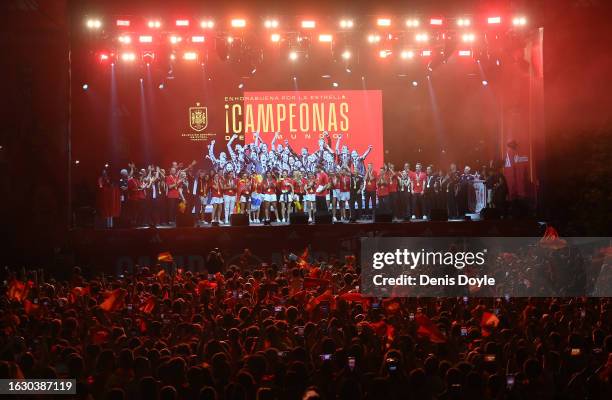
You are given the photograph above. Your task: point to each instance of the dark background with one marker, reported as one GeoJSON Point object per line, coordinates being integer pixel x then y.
{"type": "Point", "coordinates": [35, 39]}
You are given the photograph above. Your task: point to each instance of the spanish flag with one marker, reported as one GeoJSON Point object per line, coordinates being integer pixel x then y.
{"type": "Point", "coordinates": [113, 301]}
{"type": "Point", "coordinates": [17, 290]}
{"type": "Point", "coordinates": [428, 329]}
{"type": "Point", "coordinates": [165, 257]}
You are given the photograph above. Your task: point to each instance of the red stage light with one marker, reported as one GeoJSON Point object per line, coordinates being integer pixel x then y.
{"type": "Point", "coordinates": [154, 24]}
{"type": "Point", "coordinates": [421, 37]}
{"type": "Point", "coordinates": [271, 24]}
{"type": "Point", "coordinates": [519, 21]}
{"type": "Point", "coordinates": [275, 37]}
{"type": "Point", "coordinates": [104, 57]}
{"type": "Point", "coordinates": [468, 37]}
{"type": "Point", "coordinates": [125, 39]}
{"type": "Point", "coordinates": [383, 22]}
{"type": "Point", "coordinates": [494, 20]}
{"type": "Point", "coordinates": [123, 22]}
{"type": "Point", "coordinates": [373, 38]}
{"type": "Point", "coordinates": [325, 38]}
{"type": "Point", "coordinates": [412, 23]}
{"type": "Point", "coordinates": [407, 54]}
{"type": "Point", "coordinates": [308, 24]}
{"type": "Point", "coordinates": [346, 54]}
{"type": "Point", "coordinates": [293, 55]}
{"type": "Point", "coordinates": [463, 22]}
{"type": "Point", "coordinates": [465, 53]}
{"type": "Point", "coordinates": [197, 39]}
{"type": "Point", "coordinates": [436, 21]}
{"type": "Point", "coordinates": [426, 53]}
{"type": "Point", "coordinates": [94, 24]}
{"type": "Point", "coordinates": [384, 53]}
{"type": "Point", "coordinates": [346, 23]}
{"type": "Point", "coordinates": [145, 39]}
{"type": "Point", "coordinates": [175, 39]}
{"type": "Point", "coordinates": [182, 22]}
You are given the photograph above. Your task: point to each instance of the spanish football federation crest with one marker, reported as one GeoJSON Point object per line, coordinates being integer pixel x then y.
{"type": "Point", "coordinates": [198, 118]}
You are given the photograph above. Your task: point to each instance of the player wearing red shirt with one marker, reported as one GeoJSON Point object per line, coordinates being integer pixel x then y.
{"type": "Point", "coordinates": [417, 179]}
{"type": "Point", "coordinates": [393, 190]}
{"type": "Point", "coordinates": [286, 195]}
{"type": "Point", "coordinates": [322, 190]}
{"type": "Point", "coordinates": [310, 196]}
{"type": "Point", "coordinates": [369, 184]}
{"type": "Point", "coordinates": [230, 189]}
{"type": "Point", "coordinates": [244, 192]}
{"type": "Point", "coordinates": [382, 189]}
{"type": "Point", "coordinates": [344, 191]}
{"type": "Point", "coordinates": [216, 191]}
{"type": "Point", "coordinates": [172, 194]}
{"type": "Point", "coordinates": [269, 199]}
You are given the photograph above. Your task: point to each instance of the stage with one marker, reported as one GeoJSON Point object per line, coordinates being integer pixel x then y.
{"type": "Point", "coordinates": [113, 250]}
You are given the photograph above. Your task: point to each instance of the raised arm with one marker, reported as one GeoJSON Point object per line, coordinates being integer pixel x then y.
{"type": "Point", "coordinates": [230, 151]}
{"type": "Point", "coordinates": [338, 144]}
{"type": "Point", "coordinates": [365, 154]}
{"type": "Point", "coordinates": [211, 152]}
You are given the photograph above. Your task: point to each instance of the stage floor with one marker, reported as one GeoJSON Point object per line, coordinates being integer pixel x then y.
{"type": "Point", "coordinates": [114, 249]}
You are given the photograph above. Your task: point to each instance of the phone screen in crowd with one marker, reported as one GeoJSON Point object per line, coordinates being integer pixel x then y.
{"type": "Point", "coordinates": [490, 357]}
{"type": "Point", "coordinates": [509, 381]}
{"type": "Point", "coordinates": [326, 357]}
{"type": "Point", "coordinates": [351, 363]}
{"type": "Point", "coordinates": [411, 316]}
{"type": "Point", "coordinates": [464, 331]}
{"type": "Point", "coordinates": [575, 352]}
{"type": "Point", "coordinates": [278, 308]}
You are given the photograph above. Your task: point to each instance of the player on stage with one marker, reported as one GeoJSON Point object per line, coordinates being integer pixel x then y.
{"type": "Point", "coordinates": [322, 190]}
{"type": "Point", "coordinates": [269, 195]}
{"type": "Point", "coordinates": [286, 195]}
{"type": "Point", "coordinates": [370, 183]}
{"type": "Point", "coordinates": [417, 179]}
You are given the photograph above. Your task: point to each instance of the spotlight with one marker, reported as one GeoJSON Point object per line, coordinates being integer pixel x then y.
{"type": "Point", "coordinates": [346, 23]}
{"type": "Point", "coordinates": [77, 162]}
{"type": "Point", "coordinates": [238, 23]}
{"type": "Point", "coordinates": [308, 24]}
{"type": "Point", "coordinates": [426, 53]}
{"type": "Point", "coordinates": [230, 39]}
{"type": "Point", "coordinates": [271, 23]}
{"type": "Point", "coordinates": [104, 57]}
{"type": "Point", "coordinates": [519, 21]}
{"type": "Point", "coordinates": [436, 21]}
{"type": "Point", "coordinates": [412, 23]}
{"type": "Point", "coordinates": [190, 56]}
{"type": "Point", "coordinates": [407, 54]}
{"type": "Point", "coordinates": [125, 39]}
{"type": "Point", "coordinates": [485, 83]}
{"type": "Point", "coordinates": [253, 71]}
{"type": "Point", "coordinates": [197, 39]}
{"type": "Point", "coordinates": [275, 37]}
{"type": "Point", "coordinates": [465, 53]}
{"type": "Point", "coordinates": [293, 55]}
{"type": "Point", "coordinates": [161, 86]}
{"type": "Point", "coordinates": [348, 70]}
{"type": "Point", "coordinates": [154, 24]}
{"type": "Point", "coordinates": [145, 39]}
{"type": "Point", "coordinates": [494, 20]}
{"type": "Point", "coordinates": [346, 55]}
{"type": "Point", "coordinates": [106, 165]}
{"type": "Point", "coordinates": [325, 38]}
{"type": "Point", "coordinates": [384, 53]}
{"type": "Point", "coordinates": [128, 57]}
{"type": "Point", "coordinates": [415, 83]}
{"type": "Point", "coordinates": [463, 22]}
{"type": "Point", "coordinates": [468, 37]}
{"type": "Point", "coordinates": [85, 86]}
{"type": "Point", "coordinates": [207, 24]}
{"type": "Point", "coordinates": [373, 38]}
{"type": "Point", "coordinates": [123, 22]}
{"type": "Point", "coordinates": [241, 86]}
{"type": "Point", "coordinates": [335, 84]}
{"type": "Point", "coordinates": [175, 39]}
{"type": "Point", "coordinates": [173, 56]}
{"type": "Point", "coordinates": [93, 24]}
{"type": "Point", "coordinates": [383, 22]}
{"type": "Point", "coordinates": [182, 22]}
{"type": "Point", "coordinates": [421, 37]}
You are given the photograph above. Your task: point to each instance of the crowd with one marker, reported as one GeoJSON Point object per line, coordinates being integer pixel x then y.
{"type": "Point", "coordinates": [297, 329]}
{"type": "Point", "coordinates": [270, 184]}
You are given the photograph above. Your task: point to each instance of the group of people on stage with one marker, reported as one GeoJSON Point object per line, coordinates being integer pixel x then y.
{"type": "Point", "coordinates": [266, 183]}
